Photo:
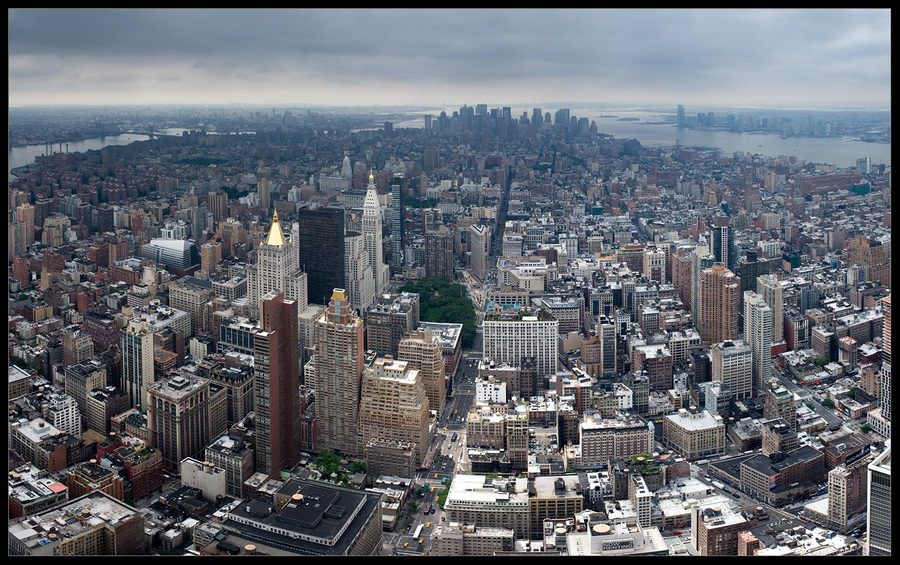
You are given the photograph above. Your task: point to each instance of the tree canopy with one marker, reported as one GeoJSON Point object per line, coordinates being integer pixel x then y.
{"type": "Point", "coordinates": [445, 302]}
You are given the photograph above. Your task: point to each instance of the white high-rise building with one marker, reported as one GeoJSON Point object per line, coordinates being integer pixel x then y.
{"type": "Point", "coordinates": [758, 333]}
{"type": "Point", "coordinates": [277, 269]}
{"type": "Point", "coordinates": [508, 341]}
{"type": "Point", "coordinates": [346, 170]}
{"type": "Point", "coordinates": [358, 272]}
{"type": "Point", "coordinates": [371, 228]}
{"type": "Point", "coordinates": [732, 363]}
{"type": "Point", "coordinates": [878, 521]}
{"type": "Point", "coordinates": [770, 288]}
{"type": "Point", "coordinates": [136, 343]}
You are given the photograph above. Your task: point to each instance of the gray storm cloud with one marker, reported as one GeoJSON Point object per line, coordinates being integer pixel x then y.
{"type": "Point", "coordinates": [354, 56]}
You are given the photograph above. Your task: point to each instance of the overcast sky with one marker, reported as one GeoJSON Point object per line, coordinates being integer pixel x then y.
{"type": "Point", "coordinates": [787, 58]}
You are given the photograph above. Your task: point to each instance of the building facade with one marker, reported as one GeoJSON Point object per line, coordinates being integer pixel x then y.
{"type": "Point", "coordinates": [338, 376]}
{"type": "Point", "coordinates": [718, 304]}
{"type": "Point", "coordinates": [276, 393]}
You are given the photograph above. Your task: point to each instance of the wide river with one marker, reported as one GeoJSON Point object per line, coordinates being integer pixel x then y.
{"type": "Point", "coordinates": [20, 156]}
{"type": "Point", "coordinates": [838, 151]}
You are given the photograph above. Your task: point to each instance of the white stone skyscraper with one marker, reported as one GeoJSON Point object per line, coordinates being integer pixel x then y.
{"type": "Point", "coordinates": [358, 272]}
{"type": "Point", "coordinates": [758, 333]}
{"type": "Point", "coordinates": [769, 286]}
{"type": "Point", "coordinates": [371, 227]}
{"type": "Point", "coordinates": [346, 170]}
{"type": "Point", "coordinates": [277, 268]}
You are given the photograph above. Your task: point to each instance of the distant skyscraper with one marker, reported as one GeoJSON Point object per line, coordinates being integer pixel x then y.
{"type": "Point", "coordinates": [561, 119]}
{"type": "Point", "coordinates": [722, 241]}
{"type": "Point", "coordinates": [264, 189]}
{"type": "Point", "coordinates": [136, 343]}
{"type": "Point", "coordinates": [681, 120]}
{"type": "Point", "coordinates": [864, 164]}
{"type": "Point", "coordinates": [758, 331]}
{"type": "Point", "coordinates": [322, 251]}
{"type": "Point", "coordinates": [397, 225]}
{"type": "Point", "coordinates": [25, 214]}
{"type": "Point", "coordinates": [371, 228]}
{"type": "Point", "coordinates": [537, 118]}
{"type": "Point", "coordinates": [346, 169]}
{"type": "Point", "coordinates": [439, 261]}
{"type": "Point", "coordinates": [719, 292]}
{"type": "Point", "coordinates": [277, 401]}
{"type": "Point", "coordinates": [338, 373]}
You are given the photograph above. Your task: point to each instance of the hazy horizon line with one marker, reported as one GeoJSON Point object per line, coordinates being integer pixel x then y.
{"type": "Point", "coordinates": [554, 104]}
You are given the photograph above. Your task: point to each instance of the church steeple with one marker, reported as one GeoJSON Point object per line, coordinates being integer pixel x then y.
{"type": "Point", "coordinates": [276, 236]}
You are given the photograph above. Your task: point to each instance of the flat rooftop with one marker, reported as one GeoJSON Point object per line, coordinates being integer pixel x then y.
{"type": "Point", "coordinates": [446, 334]}
{"type": "Point", "coordinates": [83, 514]}
{"type": "Point", "coordinates": [697, 421]}
{"type": "Point", "coordinates": [332, 516]}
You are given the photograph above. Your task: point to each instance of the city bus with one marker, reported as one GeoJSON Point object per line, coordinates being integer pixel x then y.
{"type": "Point", "coordinates": [418, 531]}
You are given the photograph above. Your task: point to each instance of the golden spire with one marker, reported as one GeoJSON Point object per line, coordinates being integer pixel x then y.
{"type": "Point", "coordinates": [371, 177]}
{"type": "Point", "coordinates": [276, 236]}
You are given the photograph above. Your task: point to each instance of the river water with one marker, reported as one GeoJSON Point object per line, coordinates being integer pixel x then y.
{"type": "Point", "coordinates": [20, 156]}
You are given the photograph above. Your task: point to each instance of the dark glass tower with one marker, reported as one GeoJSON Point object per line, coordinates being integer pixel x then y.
{"type": "Point", "coordinates": [322, 251]}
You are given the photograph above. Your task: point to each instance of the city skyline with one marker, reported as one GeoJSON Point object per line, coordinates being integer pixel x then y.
{"type": "Point", "coordinates": [320, 282]}
{"type": "Point", "coordinates": [760, 58]}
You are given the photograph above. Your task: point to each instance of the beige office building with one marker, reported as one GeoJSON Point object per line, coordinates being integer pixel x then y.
{"type": "Point", "coordinates": [468, 539]}
{"type": "Point", "coordinates": [422, 351]}
{"type": "Point", "coordinates": [719, 297]}
{"type": "Point", "coordinates": [93, 524]}
{"type": "Point", "coordinates": [695, 436]}
{"type": "Point", "coordinates": [338, 374]}
{"type": "Point", "coordinates": [732, 364]}
{"type": "Point", "coordinates": [183, 415]}
{"type": "Point", "coordinates": [394, 405]}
